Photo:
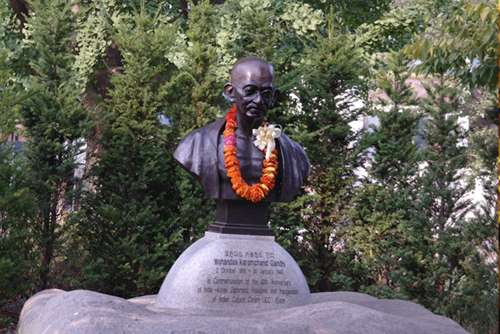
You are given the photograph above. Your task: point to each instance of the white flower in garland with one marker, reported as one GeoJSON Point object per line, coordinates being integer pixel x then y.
{"type": "Point", "coordinates": [265, 136]}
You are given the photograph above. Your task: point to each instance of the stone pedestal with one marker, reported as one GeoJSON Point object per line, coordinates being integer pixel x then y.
{"type": "Point", "coordinates": [234, 273]}
{"type": "Point", "coordinates": [84, 312]}
{"type": "Point", "coordinates": [241, 217]}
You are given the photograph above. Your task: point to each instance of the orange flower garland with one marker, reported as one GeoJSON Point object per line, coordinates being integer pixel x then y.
{"type": "Point", "coordinates": [258, 191]}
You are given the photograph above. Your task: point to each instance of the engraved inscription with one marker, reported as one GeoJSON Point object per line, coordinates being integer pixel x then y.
{"type": "Point", "coordinates": [248, 277]}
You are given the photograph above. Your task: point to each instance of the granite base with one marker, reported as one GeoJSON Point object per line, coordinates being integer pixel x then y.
{"type": "Point", "coordinates": [237, 273]}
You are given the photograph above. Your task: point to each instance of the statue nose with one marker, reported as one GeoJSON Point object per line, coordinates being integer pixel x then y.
{"type": "Point", "coordinates": [258, 97]}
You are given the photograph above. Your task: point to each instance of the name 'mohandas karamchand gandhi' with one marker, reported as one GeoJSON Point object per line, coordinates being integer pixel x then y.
{"type": "Point", "coordinates": [241, 161]}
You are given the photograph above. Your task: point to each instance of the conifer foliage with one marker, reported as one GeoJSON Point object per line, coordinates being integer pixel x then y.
{"type": "Point", "coordinates": [55, 122]}
{"type": "Point", "coordinates": [438, 228]}
{"type": "Point", "coordinates": [127, 229]}
{"type": "Point", "coordinates": [17, 253]}
{"type": "Point", "coordinates": [387, 212]}
{"type": "Point", "coordinates": [195, 87]}
{"type": "Point", "coordinates": [327, 84]}
{"type": "Point", "coordinates": [194, 100]}
{"type": "Point", "coordinates": [384, 203]}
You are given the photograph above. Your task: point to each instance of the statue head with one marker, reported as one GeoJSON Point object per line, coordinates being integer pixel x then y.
{"type": "Point", "coordinates": [252, 89]}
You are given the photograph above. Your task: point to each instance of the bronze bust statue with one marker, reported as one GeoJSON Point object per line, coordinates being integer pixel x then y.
{"type": "Point", "coordinates": [201, 153]}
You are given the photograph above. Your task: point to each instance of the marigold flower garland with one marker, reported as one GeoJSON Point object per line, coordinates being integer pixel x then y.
{"type": "Point", "coordinates": [258, 191]}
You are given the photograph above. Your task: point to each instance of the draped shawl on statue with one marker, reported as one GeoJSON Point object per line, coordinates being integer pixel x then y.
{"type": "Point", "coordinates": [197, 154]}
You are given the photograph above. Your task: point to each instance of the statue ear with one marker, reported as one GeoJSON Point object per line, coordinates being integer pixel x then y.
{"type": "Point", "coordinates": [229, 91]}
{"type": "Point", "coordinates": [275, 97]}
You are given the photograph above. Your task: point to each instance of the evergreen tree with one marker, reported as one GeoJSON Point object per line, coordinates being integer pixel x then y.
{"type": "Point", "coordinates": [17, 257]}
{"type": "Point", "coordinates": [354, 13]}
{"type": "Point", "coordinates": [475, 302]}
{"type": "Point", "coordinates": [127, 228]}
{"type": "Point", "coordinates": [142, 210]}
{"type": "Point", "coordinates": [195, 100]}
{"type": "Point", "coordinates": [275, 31]}
{"type": "Point", "coordinates": [385, 200]}
{"type": "Point", "coordinates": [315, 227]}
{"type": "Point", "coordinates": [195, 91]}
{"type": "Point", "coordinates": [17, 251]}
{"type": "Point", "coordinates": [54, 123]}
{"type": "Point", "coordinates": [436, 230]}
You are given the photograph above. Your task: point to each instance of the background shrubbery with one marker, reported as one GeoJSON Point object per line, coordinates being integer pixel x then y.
{"type": "Point", "coordinates": [387, 210]}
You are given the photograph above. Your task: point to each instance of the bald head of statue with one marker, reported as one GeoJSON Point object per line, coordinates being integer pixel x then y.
{"type": "Point", "coordinates": [252, 90]}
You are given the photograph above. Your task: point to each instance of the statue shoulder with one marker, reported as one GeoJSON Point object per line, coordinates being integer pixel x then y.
{"type": "Point", "coordinates": [211, 130]}
{"type": "Point", "coordinates": [296, 167]}
{"type": "Point", "coordinates": [296, 153]}
{"type": "Point", "coordinates": [197, 151]}
{"type": "Point", "coordinates": [198, 140]}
